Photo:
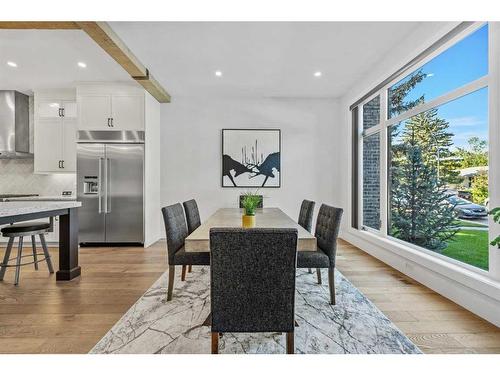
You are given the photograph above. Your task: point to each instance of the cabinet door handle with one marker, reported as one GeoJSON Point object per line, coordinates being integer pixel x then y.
{"type": "Point", "coordinates": [60, 115]}
{"type": "Point", "coordinates": [59, 163]}
{"type": "Point", "coordinates": [109, 122]}
{"type": "Point", "coordinates": [63, 112]}
{"type": "Point", "coordinates": [62, 163]}
{"type": "Point", "coordinates": [112, 125]}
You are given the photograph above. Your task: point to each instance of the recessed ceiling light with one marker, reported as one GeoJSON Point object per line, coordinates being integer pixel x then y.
{"type": "Point", "coordinates": [318, 74]}
{"type": "Point", "coordinates": [12, 64]}
{"type": "Point", "coordinates": [82, 64]}
{"type": "Point", "coordinates": [218, 73]}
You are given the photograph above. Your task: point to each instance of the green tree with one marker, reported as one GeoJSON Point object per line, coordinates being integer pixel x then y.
{"type": "Point", "coordinates": [420, 213]}
{"type": "Point", "coordinates": [429, 132]}
{"type": "Point", "coordinates": [421, 165]}
{"type": "Point", "coordinates": [476, 155]}
{"type": "Point", "coordinates": [399, 92]}
{"type": "Point", "coordinates": [479, 188]}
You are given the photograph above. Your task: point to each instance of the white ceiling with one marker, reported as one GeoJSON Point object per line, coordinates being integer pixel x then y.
{"type": "Point", "coordinates": [256, 58]}
{"type": "Point", "coordinates": [48, 59]}
{"type": "Point", "coordinates": [259, 58]}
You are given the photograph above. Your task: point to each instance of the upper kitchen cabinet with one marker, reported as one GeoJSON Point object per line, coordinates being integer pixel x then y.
{"type": "Point", "coordinates": [47, 109]}
{"type": "Point", "coordinates": [113, 107]}
{"type": "Point", "coordinates": [55, 113]}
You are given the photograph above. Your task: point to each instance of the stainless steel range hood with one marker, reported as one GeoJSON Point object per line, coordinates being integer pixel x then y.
{"type": "Point", "coordinates": [14, 125]}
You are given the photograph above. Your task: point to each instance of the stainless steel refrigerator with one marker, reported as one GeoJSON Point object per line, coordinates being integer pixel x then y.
{"type": "Point", "coordinates": [110, 185]}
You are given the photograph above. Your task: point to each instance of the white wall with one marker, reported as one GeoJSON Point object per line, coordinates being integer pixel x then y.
{"type": "Point", "coordinates": [191, 149]}
{"type": "Point", "coordinates": [477, 292]}
{"type": "Point", "coordinates": [152, 171]}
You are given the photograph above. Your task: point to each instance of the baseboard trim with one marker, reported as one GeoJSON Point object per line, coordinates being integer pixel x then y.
{"type": "Point", "coordinates": [478, 302]}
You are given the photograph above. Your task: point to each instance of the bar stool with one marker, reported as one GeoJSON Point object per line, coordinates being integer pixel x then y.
{"type": "Point", "coordinates": [22, 230]}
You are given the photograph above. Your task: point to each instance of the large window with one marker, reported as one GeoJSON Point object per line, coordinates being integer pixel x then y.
{"type": "Point", "coordinates": [435, 176]}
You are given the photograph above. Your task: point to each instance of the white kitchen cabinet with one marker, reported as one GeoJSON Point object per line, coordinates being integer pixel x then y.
{"type": "Point", "coordinates": [112, 107]}
{"type": "Point", "coordinates": [48, 145]}
{"type": "Point", "coordinates": [49, 109]}
{"type": "Point", "coordinates": [55, 146]}
{"type": "Point", "coordinates": [55, 132]}
{"type": "Point", "coordinates": [70, 109]}
{"type": "Point", "coordinates": [68, 152]}
{"type": "Point", "coordinates": [95, 112]}
{"type": "Point", "coordinates": [127, 112]}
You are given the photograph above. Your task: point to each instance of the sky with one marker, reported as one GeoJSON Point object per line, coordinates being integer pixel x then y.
{"type": "Point", "coordinates": [460, 64]}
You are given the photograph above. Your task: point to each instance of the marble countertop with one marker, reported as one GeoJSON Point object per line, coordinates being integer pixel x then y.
{"type": "Point", "coordinates": [42, 198]}
{"type": "Point", "coordinates": [20, 208]}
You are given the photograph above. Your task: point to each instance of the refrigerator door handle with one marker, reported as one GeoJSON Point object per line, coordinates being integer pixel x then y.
{"type": "Point", "coordinates": [99, 187]}
{"type": "Point", "coordinates": [108, 183]}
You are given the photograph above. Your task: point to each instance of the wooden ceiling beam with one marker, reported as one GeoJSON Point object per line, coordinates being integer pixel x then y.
{"type": "Point", "coordinates": [110, 42]}
{"type": "Point", "coordinates": [41, 25]}
{"type": "Point", "coordinates": [152, 86]}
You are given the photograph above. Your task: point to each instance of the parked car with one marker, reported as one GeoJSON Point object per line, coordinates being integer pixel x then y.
{"type": "Point", "coordinates": [467, 195]}
{"type": "Point", "coordinates": [466, 209]}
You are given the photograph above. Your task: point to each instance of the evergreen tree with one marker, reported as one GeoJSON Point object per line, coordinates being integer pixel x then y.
{"type": "Point", "coordinates": [398, 93]}
{"type": "Point", "coordinates": [421, 164]}
{"type": "Point", "coordinates": [420, 213]}
{"type": "Point", "coordinates": [429, 132]}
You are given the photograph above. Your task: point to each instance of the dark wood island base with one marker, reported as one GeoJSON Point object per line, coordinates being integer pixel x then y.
{"type": "Point", "coordinates": [12, 212]}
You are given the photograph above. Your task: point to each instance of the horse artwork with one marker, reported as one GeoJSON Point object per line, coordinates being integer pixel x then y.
{"type": "Point", "coordinates": [251, 158]}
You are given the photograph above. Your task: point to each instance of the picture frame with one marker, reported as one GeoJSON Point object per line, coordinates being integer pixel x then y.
{"type": "Point", "coordinates": [251, 158]}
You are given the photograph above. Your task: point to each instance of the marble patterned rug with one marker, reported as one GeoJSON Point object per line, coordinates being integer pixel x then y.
{"type": "Point", "coordinates": [154, 325]}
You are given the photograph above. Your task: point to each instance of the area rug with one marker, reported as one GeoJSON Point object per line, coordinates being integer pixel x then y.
{"type": "Point", "coordinates": [353, 325]}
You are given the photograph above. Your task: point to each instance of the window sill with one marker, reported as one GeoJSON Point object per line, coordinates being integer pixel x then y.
{"type": "Point", "coordinates": [474, 280]}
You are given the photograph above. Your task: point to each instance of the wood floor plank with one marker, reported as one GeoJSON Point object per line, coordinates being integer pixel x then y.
{"type": "Point", "coordinates": [45, 316]}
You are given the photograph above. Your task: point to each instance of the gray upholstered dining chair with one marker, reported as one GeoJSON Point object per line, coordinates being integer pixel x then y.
{"type": "Point", "coordinates": [252, 281]}
{"type": "Point", "coordinates": [326, 233]}
{"type": "Point", "coordinates": [176, 231]}
{"type": "Point", "coordinates": [192, 218]}
{"type": "Point", "coordinates": [306, 217]}
{"type": "Point", "coordinates": [306, 214]}
{"type": "Point", "coordinates": [192, 215]}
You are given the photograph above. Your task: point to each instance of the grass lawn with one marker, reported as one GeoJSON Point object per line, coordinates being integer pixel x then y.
{"type": "Point", "coordinates": [469, 246]}
{"type": "Point", "coordinates": [464, 223]}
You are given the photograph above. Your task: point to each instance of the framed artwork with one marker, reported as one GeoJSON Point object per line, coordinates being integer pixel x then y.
{"type": "Point", "coordinates": [251, 158]}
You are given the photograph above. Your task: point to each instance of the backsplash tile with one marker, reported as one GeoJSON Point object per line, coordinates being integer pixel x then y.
{"type": "Point", "coordinates": [17, 177]}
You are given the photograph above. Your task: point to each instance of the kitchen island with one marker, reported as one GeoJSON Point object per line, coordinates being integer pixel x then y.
{"type": "Point", "coordinates": [12, 212]}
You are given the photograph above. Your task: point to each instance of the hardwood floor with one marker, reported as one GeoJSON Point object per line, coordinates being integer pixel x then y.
{"type": "Point", "coordinates": [42, 316]}
{"type": "Point", "coordinates": [431, 321]}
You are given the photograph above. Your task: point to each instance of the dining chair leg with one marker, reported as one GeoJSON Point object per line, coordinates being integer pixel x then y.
{"type": "Point", "coordinates": [318, 272]}
{"type": "Point", "coordinates": [171, 274]}
{"type": "Point", "coordinates": [6, 258]}
{"type": "Point", "coordinates": [290, 343]}
{"type": "Point", "coordinates": [310, 270]}
{"type": "Point", "coordinates": [46, 253]}
{"type": "Point", "coordinates": [33, 246]}
{"type": "Point", "coordinates": [18, 260]}
{"type": "Point", "coordinates": [331, 284]}
{"type": "Point", "coordinates": [183, 275]}
{"type": "Point", "coordinates": [190, 268]}
{"type": "Point", "coordinates": [215, 343]}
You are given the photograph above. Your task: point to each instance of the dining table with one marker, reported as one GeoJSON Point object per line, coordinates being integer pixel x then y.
{"type": "Point", "coordinates": [199, 239]}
